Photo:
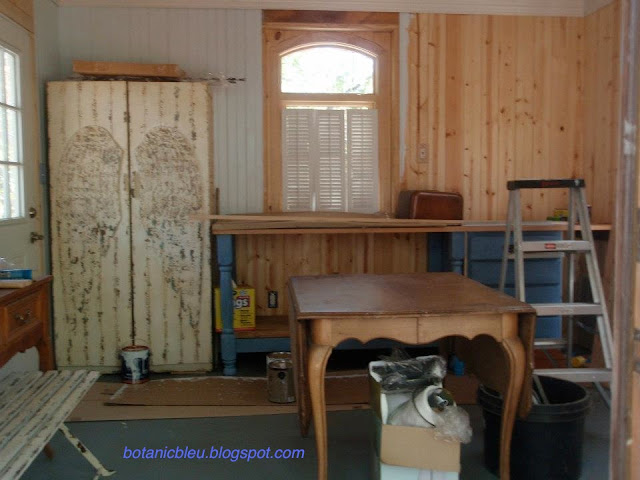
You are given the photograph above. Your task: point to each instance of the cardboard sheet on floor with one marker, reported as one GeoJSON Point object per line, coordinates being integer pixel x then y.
{"type": "Point", "coordinates": [232, 391]}
{"type": "Point", "coordinates": [94, 407]}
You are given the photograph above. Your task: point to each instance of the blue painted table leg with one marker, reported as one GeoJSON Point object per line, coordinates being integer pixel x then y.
{"type": "Point", "coordinates": [227, 338]}
{"type": "Point", "coordinates": [457, 252]}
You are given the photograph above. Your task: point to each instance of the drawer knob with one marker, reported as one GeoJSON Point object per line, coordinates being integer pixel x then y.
{"type": "Point", "coordinates": [23, 319]}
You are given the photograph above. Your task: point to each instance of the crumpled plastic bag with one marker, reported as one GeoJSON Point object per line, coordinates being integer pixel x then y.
{"type": "Point", "coordinates": [412, 374]}
{"type": "Point", "coordinates": [453, 425]}
{"type": "Point", "coordinates": [434, 407]}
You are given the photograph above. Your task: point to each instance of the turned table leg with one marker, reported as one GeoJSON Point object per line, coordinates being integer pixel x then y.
{"type": "Point", "coordinates": [516, 367]}
{"type": "Point", "coordinates": [318, 356]}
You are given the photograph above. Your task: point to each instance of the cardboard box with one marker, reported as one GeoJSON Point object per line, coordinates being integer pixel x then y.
{"type": "Point", "coordinates": [382, 471]}
{"type": "Point", "coordinates": [413, 447]}
{"type": "Point", "coordinates": [244, 308]}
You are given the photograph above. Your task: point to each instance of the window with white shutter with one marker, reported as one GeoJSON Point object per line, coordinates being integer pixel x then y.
{"type": "Point", "coordinates": [330, 131]}
{"type": "Point", "coordinates": [330, 160]}
{"type": "Point", "coordinates": [297, 160]}
{"type": "Point", "coordinates": [362, 160]}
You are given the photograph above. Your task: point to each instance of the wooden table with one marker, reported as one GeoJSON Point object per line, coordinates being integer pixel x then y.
{"type": "Point", "coordinates": [24, 321]}
{"type": "Point", "coordinates": [414, 309]}
{"type": "Point", "coordinates": [233, 225]}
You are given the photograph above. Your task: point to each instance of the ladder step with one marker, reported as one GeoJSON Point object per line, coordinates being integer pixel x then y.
{"type": "Point", "coordinates": [581, 375]}
{"type": "Point", "coordinates": [542, 255]}
{"type": "Point", "coordinates": [546, 183]}
{"type": "Point", "coordinates": [557, 246]}
{"type": "Point", "coordinates": [549, 343]}
{"type": "Point", "coordinates": [551, 309]}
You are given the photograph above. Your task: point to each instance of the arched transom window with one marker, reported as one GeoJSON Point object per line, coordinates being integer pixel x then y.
{"type": "Point", "coordinates": [327, 69]}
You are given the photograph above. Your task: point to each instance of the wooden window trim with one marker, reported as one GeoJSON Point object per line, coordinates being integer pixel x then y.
{"type": "Point", "coordinates": [382, 41]}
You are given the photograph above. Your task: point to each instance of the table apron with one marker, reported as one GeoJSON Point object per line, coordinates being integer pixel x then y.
{"type": "Point", "coordinates": [417, 329]}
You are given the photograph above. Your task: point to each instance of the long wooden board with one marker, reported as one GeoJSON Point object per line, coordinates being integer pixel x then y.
{"type": "Point", "coordinates": [163, 70]}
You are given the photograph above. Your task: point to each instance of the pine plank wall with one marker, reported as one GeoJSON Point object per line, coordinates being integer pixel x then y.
{"type": "Point", "coordinates": [491, 97]}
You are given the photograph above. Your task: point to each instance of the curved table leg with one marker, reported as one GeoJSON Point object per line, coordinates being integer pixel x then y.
{"type": "Point", "coordinates": [299, 353]}
{"type": "Point", "coordinates": [318, 356]}
{"type": "Point", "coordinates": [516, 366]}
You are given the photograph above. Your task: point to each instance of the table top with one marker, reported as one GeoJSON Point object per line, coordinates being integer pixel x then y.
{"type": "Point", "coordinates": [424, 294]}
{"type": "Point", "coordinates": [10, 294]}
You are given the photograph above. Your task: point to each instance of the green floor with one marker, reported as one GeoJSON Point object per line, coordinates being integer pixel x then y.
{"type": "Point", "coordinates": [350, 444]}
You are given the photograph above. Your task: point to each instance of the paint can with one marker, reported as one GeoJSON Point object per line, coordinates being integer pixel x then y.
{"type": "Point", "coordinates": [280, 386]}
{"type": "Point", "coordinates": [135, 364]}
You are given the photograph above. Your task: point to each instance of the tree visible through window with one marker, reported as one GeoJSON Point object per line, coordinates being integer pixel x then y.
{"type": "Point", "coordinates": [329, 130]}
{"type": "Point", "coordinates": [11, 166]}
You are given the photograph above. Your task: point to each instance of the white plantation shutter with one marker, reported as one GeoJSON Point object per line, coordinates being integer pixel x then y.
{"type": "Point", "coordinates": [296, 159]}
{"type": "Point", "coordinates": [330, 173]}
{"type": "Point", "coordinates": [362, 160]}
{"type": "Point", "coordinates": [328, 164]}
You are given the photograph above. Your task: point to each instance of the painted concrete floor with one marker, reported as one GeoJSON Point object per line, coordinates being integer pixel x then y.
{"type": "Point", "coordinates": [350, 450]}
{"type": "Point", "coordinates": [350, 441]}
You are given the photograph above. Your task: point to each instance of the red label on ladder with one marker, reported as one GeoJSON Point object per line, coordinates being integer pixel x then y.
{"type": "Point", "coordinates": [549, 246]}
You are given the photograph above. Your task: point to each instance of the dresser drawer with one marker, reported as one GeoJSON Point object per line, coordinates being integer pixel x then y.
{"type": "Point", "coordinates": [22, 314]}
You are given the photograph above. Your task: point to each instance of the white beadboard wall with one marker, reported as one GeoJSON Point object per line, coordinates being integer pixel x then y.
{"type": "Point", "coordinates": [200, 41]}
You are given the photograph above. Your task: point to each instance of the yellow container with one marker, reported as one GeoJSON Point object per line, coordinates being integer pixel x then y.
{"type": "Point", "coordinates": [244, 309]}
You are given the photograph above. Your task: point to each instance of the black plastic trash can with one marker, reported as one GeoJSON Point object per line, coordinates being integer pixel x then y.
{"type": "Point", "coordinates": [547, 444]}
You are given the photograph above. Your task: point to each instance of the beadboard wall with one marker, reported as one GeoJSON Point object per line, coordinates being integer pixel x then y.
{"type": "Point", "coordinates": [224, 42]}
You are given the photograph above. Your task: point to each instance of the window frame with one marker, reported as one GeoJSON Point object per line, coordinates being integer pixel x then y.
{"type": "Point", "coordinates": [377, 40]}
{"type": "Point", "coordinates": [20, 163]}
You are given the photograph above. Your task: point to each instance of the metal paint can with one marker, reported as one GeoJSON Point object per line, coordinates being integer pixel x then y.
{"type": "Point", "coordinates": [135, 364]}
{"type": "Point", "coordinates": [280, 386]}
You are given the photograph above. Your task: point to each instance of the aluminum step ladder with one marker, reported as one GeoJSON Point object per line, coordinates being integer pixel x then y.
{"type": "Point", "coordinates": [578, 213]}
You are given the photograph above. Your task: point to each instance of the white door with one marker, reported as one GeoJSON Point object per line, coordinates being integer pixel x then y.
{"type": "Point", "coordinates": [19, 187]}
{"type": "Point", "coordinates": [170, 139]}
{"type": "Point", "coordinates": [90, 243]}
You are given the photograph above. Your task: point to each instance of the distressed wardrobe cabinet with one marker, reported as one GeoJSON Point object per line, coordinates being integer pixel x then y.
{"type": "Point", "coordinates": [129, 163]}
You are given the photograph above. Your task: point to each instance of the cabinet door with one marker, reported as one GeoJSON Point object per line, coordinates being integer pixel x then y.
{"type": "Point", "coordinates": [170, 141]}
{"type": "Point", "coordinates": [90, 251]}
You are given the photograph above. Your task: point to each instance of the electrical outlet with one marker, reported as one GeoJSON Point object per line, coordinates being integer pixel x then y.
{"type": "Point", "coordinates": [422, 153]}
{"type": "Point", "coordinates": [272, 301]}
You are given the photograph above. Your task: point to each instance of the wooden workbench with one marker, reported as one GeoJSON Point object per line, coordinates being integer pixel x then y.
{"type": "Point", "coordinates": [224, 227]}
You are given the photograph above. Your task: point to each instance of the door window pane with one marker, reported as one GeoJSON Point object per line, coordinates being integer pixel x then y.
{"type": "Point", "coordinates": [10, 78]}
{"type": "Point", "coordinates": [12, 136]}
{"type": "Point", "coordinates": [11, 162]}
{"type": "Point", "coordinates": [15, 183]}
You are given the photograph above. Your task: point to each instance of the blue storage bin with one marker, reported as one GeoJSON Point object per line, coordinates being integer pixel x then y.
{"type": "Point", "coordinates": [543, 276]}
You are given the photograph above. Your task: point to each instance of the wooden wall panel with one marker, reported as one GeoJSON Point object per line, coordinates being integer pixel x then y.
{"type": "Point", "coordinates": [89, 182]}
{"type": "Point", "coordinates": [267, 261]}
{"type": "Point", "coordinates": [601, 110]}
{"type": "Point", "coordinates": [497, 98]}
{"type": "Point", "coordinates": [214, 41]}
{"type": "Point", "coordinates": [170, 141]}
{"type": "Point", "coordinates": [20, 11]}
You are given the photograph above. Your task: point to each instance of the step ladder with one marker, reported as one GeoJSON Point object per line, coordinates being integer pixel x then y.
{"type": "Point", "coordinates": [578, 213]}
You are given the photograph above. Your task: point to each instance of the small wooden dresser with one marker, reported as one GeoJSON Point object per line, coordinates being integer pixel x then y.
{"type": "Point", "coordinates": [24, 322]}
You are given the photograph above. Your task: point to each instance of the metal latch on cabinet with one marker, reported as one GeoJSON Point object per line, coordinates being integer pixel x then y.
{"type": "Point", "coordinates": [35, 236]}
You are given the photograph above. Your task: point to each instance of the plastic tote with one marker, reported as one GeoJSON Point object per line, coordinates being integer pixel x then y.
{"type": "Point", "coordinates": [547, 444]}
